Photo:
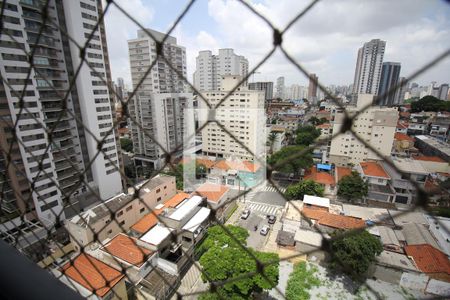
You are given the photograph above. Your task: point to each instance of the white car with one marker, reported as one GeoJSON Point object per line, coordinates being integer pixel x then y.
{"type": "Point", "coordinates": [264, 230]}
{"type": "Point", "coordinates": [245, 214]}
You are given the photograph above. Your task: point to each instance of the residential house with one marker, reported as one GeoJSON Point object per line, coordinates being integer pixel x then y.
{"type": "Point", "coordinates": [433, 164]}
{"type": "Point", "coordinates": [329, 222]}
{"type": "Point", "coordinates": [92, 278]}
{"type": "Point", "coordinates": [217, 197]}
{"type": "Point", "coordinates": [402, 126]}
{"type": "Point", "coordinates": [289, 123]}
{"type": "Point", "coordinates": [431, 146]}
{"type": "Point", "coordinates": [314, 202]}
{"type": "Point", "coordinates": [326, 130]}
{"type": "Point", "coordinates": [433, 262]}
{"type": "Point", "coordinates": [440, 126]}
{"type": "Point", "coordinates": [340, 172]}
{"type": "Point", "coordinates": [119, 213]}
{"type": "Point", "coordinates": [380, 190]}
{"type": "Point", "coordinates": [410, 170]}
{"type": "Point", "coordinates": [152, 218]}
{"type": "Point", "coordinates": [324, 178]}
{"type": "Point", "coordinates": [388, 238]}
{"type": "Point", "coordinates": [403, 144]}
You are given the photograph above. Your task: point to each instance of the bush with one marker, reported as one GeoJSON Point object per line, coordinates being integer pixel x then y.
{"type": "Point", "coordinates": [301, 280]}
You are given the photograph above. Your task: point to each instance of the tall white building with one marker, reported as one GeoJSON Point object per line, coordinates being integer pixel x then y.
{"type": "Point", "coordinates": [376, 126]}
{"type": "Point", "coordinates": [242, 114]}
{"type": "Point", "coordinates": [280, 88]}
{"type": "Point", "coordinates": [368, 67]}
{"type": "Point", "coordinates": [210, 68]}
{"type": "Point", "coordinates": [159, 104]}
{"type": "Point", "coordinates": [72, 146]}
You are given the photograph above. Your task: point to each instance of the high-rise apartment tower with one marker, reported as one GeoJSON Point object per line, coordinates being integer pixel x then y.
{"type": "Point", "coordinates": [210, 68]}
{"type": "Point", "coordinates": [157, 111]}
{"type": "Point", "coordinates": [368, 67]}
{"type": "Point", "coordinates": [58, 128]}
{"type": "Point", "coordinates": [390, 73]}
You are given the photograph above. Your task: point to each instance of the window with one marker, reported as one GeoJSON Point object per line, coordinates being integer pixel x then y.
{"type": "Point", "coordinates": [122, 223]}
{"type": "Point", "coordinates": [129, 208]}
{"type": "Point", "coordinates": [109, 232]}
{"type": "Point", "coordinates": [119, 213]}
{"type": "Point", "coordinates": [159, 199]}
{"type": "Point", "coordinates": [158, 190]}
{"type": "Point", "coordinates": [142, 210]}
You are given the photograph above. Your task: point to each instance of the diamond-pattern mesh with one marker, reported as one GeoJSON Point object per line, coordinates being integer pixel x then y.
{"type": "Point", "coordinates": [24, 112]}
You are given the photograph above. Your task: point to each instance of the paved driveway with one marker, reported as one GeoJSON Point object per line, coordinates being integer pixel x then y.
{"type": "Point", "coordinates": [255, 239]}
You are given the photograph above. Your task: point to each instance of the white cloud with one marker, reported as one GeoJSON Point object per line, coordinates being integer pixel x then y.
{"type": "Point", "coordinates": [325, 40]}
{"type": "Point", "coordinates": [119, 29]}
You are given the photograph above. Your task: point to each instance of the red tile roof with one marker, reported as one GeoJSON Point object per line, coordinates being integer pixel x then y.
{"type": "Point", "coordinates": [320, 177]}
{"type": "Point", "coordinates": [213, 192]}
{"type": "Point", "coordinates": [373, 169]}
{"type": "Point", "coordinates": [127, 249]}
{"type": "Point", "coordinates": [147, 222]}
{"type": "Point", "coordinates": [429, 259]}
{"type": "Point", "coordinates": [429, 158]}
{"type": "Point", "coordinates": [226, 165]}
{"type": "Point", "coordinates": [332, 220]}
{"type": "Point", "coordinates": [403, 137]}
{"type": "Point", "coordinates": [245, 166]}
{"type": "Point", "coordinates": [325, 125]}
{"type": "Point", "coordinates": [150, 220]}
{"type": "Point", "coordinates": [342, 171]}
{"type": "Point", "coordinates": [175, 200]}
{"type": "Point", "coordinates": [93, 274]}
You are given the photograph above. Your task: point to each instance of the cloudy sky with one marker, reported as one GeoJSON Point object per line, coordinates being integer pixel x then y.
{"type": "Point", "coordinates": [325, 41]}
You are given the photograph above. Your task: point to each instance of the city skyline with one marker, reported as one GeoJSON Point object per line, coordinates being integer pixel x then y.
{"type": "Point", "coordinates": [415, 36]}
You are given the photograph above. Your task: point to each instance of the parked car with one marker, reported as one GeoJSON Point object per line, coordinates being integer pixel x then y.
{"type": "Point", "coordinates": [245, 214]}
{"type": "Point", "coordinates": [271, 219]}
{"type": "Point", "coordinates": [264, 230]}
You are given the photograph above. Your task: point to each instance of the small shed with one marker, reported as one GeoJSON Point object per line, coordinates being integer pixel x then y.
{"type": "Point", "coordinates": [285, 238]}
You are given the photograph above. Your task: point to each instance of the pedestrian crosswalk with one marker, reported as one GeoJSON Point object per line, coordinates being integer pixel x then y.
{"type": "Point", "coordinates": [271, 188]}
{"type": "Point", "coordinates": [265, 188]}
{"type": "Point", "coordinates": [264, 209]}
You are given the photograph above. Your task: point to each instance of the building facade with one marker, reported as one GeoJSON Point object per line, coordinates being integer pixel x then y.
{"type": "Point", "coordinates": [210, 68]}
{"type": "Point", "coordinates": [390, 73]}
{"type": "Point", "coordinates": [368, 67]}
{"type": "Point", "coordinates": [280, 88]}
{"type": "Point", "coordinates": [76, 119]}
{"type": "Point", "coordinates": [376, 126]}
{"type": "Point", "coordinates": [266, 86]}
{"type": "Point", "coordinates": [157, 110]}
{"type": "Point", "coordinates": [312, 88]}
{"type": "Point", "coordinates": [242, 114]}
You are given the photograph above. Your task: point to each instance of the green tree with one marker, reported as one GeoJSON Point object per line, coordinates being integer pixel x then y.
{"type": "Point", "coordinates": [126, 144]}
{"type": "Point", "coordinates": [354, 253]}
{"type": "Point", "coordinates": [314, 120]}
{"type": "Point", "coordinates": [352, 187]}
{"type": "Point", "coordinates": [200, 170]}
{"type": "Point", "coordinates": [301, 280]}
{"type": "Point", "coordinates": [430, 103]}
{"type": "Point", "coordinates": [305, 135]}
{"type": "Point", "coordinates": [178, 172]}
{"type": "Point", "coordinates": [288, 160]}
{"type": "Point", "coordinates": [306, 187]}
{"type": "Point", "coordinates": [225, 259]}
{"type": "Point", "coordinates": [216, 236]}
